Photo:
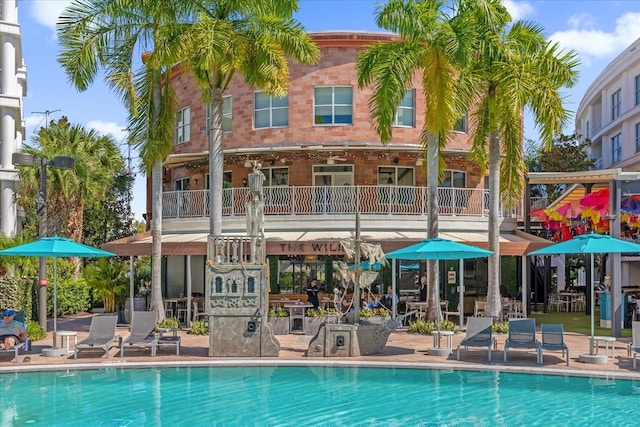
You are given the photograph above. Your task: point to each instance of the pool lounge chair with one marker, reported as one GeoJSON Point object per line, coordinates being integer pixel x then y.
{"type": "Point", "coordinates": [102, 334]}
{"type": "Point", "coordinates": [479, 334]}
{"type": "Point", "coordinates": [143, 332]}
{"type": "Point", "coordinates": [14, 350]}
{"type": "Point", "coordinates": [635, 341]}
{"type": "Point", "coordinates": [522, 334]}
{"type": "Point", "coordinates": [553, 340]}
{"type": "Point", "coordinates": [19, 317]}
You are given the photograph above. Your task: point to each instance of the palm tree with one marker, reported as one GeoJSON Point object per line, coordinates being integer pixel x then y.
{"type": "Point", "coordinates": [514, 68]}
{"type": "Point", "coordinates": [255, 39]}
{"type": "Point", "coordinates": [108, 35]}
{"type": "Point", "coordinates": [435, 44]}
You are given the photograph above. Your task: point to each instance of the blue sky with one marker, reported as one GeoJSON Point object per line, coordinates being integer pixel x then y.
{"type": "Point", "coordinates": [597, 29]}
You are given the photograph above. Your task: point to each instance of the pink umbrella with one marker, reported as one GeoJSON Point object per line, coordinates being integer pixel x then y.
{"type": "Point", "coordinates": [570, 210]}
{"type": "Point", "coordinates": [596, 199]}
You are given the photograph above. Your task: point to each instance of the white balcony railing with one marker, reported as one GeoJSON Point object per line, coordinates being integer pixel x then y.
{"type": "Point", "coordinates": [340, 200]}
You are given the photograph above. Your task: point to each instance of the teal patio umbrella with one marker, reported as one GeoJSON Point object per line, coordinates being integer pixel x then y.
{"type": "Point", "coordinates": [56, 247]}
{"type": "Point", "coordinates": [438, 249]}
{"type": "Point", "coordinates": [591, 244]}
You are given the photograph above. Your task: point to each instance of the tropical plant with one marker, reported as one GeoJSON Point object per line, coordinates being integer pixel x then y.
{"type": "Point", "coordinates": [514, 68]}
{"type": "Point", "coordinates": [109, 278]}
{"type": "Point", "coordinates": [322, 312]}
{"type": "Point", "coordinates": [280, 312]}
{"type": "Point", "coordinates": [500, 327]}
{"type": "Point", "coordinates": [374, 312]}
{"type": "Point", "coordinates": [35, 331]}
{"type": "Point", "coordinates": [169, 323]}
{"type": "Point", "coordinates": [437, 40]}
{"type": "Point", "coordinates": [198, 327]}
{"type": "Point", "coordinates": [108, 35]}
{"type": "Point", "coordinates": [425, 327]}
{"type": "Point", "coordinates": [254, 38]}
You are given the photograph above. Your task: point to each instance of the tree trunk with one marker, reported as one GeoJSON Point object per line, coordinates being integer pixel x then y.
{"type": "Point", "coordinates": [216, 164]}
{"type": "Point", "coordinates": [432, 221]}
{"type": "Point", "coordinates": [494, 304]}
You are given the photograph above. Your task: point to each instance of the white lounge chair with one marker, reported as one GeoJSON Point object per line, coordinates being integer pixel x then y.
{"type": "Point", "coordinates": [143, 332]}
{"type": "Point", "coordinates": [479, 334]}
{"type": "Point", "coordinates": [522, 334]}
{"type": "Point", "coordinates": [553, 340]}
{"type": "Point", "coordinates": [102, 334]}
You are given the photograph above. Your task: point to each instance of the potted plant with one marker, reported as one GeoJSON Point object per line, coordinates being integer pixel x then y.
{"type": "Point", "coordinates": [374, 315]}
{"type": "Point", "coordinates": [315, 318]}
{"type": "Point", "coordinates": [279, 320]}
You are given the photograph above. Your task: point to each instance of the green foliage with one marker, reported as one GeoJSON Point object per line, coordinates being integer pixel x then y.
{"type": "Point", "coordinates": [321, 312]}
{"type": "Point", "coordinates": [18, 294]}
{"type": "Point", "coordinates": [35, 331]}
{"type": "Point", "coordinates": [169, 322]}
{"type": "Point", "coordinates": [74, 296]}
{"type": "Point", "coordinates": [108, 277]}
{"type": "Point", "coordinates": [500, 327]}
{"type": "Point", "coordinates": [371, 312]}
{"type": "Point", "coordinates": [198, 327]}
{"type": "Point", "coordinates": [425, 327]}
{"type": "Point", "coordinates": [280, 312]}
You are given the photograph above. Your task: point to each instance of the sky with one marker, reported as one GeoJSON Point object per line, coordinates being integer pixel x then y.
{"type": "Point", "coordinates": [598, 30]}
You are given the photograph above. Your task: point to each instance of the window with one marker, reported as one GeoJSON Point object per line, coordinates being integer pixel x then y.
{"type": "Point", "coordinates": [270, 111]}
{"type": "Point", "coordinates": [276, 186]}
{"type": "Point", "coordinates": [637, 137]}
{"type": "Point", "coordinates": [181, 184]}
{"type": "Point", "coordinates": [638, 90]}
{"type": "Point", "coordinates": [455, 179]}
{"type": "Point", "coordinates": [182, 126]}
{"type": "Point", "coordinates": [461, 124]}
{"type": "Point", "coordinates": [394, 175]}
{"type": "Point", "coordinates": [615, 105]}
{"type": "Point", "coordinates": [391, 176]}
{"type": "Point", "coordinates": [616, 149]}
{"type": "Point", "coordinates": [226, 115]}
{"type": "Point", "coordinates": [405, 112]}
{"type": "Point", "coordinates": [333, 105]}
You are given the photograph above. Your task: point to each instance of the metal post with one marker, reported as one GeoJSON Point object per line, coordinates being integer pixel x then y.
{"type": "Point", "coordinates": [41, 208]}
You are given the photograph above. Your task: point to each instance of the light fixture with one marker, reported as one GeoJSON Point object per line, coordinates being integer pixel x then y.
{"type": "Point", "coordinates": [248, 163]}
{"type": "Point", "coordinates": [244, 182]}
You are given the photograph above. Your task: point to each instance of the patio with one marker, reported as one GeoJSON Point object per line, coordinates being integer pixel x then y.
{"type": "Point", "coordinates": [402, 349]}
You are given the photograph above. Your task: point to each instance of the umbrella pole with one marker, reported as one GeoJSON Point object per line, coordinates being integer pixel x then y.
{"type": "Point", "coordinates": [593, 303]}
{"type": "Point", "coordinates": [438, 299]}
{"type": "Point", "coordinates": [55, 302]}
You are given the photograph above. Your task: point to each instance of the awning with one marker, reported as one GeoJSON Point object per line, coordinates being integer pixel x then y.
{"type": "Point", "coordinates": [515, 243]}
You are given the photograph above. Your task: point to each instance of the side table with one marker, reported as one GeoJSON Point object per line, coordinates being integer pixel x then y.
{"type": "Point", "coordinates": [437, 336]}
{"type": "Point", "coordinates": [606, 341]}
{"type": "Point", "coordinates": [66, 336]}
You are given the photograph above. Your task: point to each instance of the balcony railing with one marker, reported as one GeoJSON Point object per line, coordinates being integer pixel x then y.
{"type": "Point", "coordinates": [339, 200]}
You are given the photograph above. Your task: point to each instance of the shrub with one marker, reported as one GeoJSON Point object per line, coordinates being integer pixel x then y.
{"type": "Point", "coordinates": [19, 294]}
{"type": "Point", "coordinates": [199, 327]}
{"type": "Point", "coordinates": [35, 331]}
{"type": "Point", "coordinates": [169, 322]}
{"type": "Point", "coordinates": [500, 327]}
{"type": "Point", "coordinates": [280, 312]}
{"type": "Point", "coordinates": [73, 297]}
{"type": "Point", "coordinates": [425, 327]}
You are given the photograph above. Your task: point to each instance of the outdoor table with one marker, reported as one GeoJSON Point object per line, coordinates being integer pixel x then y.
{"type": "Point", "coordinates": [607, 341]}
{"type": "Point", "coordinates": [66, 336]}
{"type": "Point", "coordinates": [297, 311]}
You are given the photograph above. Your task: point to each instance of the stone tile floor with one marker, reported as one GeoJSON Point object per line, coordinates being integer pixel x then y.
{"type": "Point", "coordinates": [402, 348]}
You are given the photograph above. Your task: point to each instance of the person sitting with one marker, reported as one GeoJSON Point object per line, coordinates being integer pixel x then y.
{"type": "Point", "coordinates": [11, 332]}
{"type": "Point", "coordinates": [390, 299]}
{"type": "Point", "coordinates": [312, 294]}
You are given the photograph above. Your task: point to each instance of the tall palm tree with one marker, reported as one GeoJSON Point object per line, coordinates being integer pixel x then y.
{"type": "Point", "coordinates": [109, 35]}
{"type": "Point", "coordinates": [436, 42]}
{"type": "Point", "coordinates": [515, 68]}
{"type": "Point", "coordinates": [255, 39]}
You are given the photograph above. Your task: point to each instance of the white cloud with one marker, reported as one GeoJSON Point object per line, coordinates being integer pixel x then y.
{"type": "Point", "coordinates": [518, 10]}
{"type": "Point", "coordinates": [592, 43]}
{"type": "Point", "coordinates": [46, 12]}
{"type": "Point", "coordinates": [105, 128]}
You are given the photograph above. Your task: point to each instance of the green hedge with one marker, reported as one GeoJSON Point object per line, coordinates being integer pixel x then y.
{"type": "Point", "coordinates": [19, 294]}
{"type": "Point", "coordinates": [74, 296]}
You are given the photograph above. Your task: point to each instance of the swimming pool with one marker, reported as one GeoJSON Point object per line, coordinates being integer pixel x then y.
{"type": "Point", "coordinates": [313, 395]}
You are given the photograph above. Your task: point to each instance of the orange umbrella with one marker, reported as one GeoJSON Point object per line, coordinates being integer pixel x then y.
{"type": "Point", "coordinates": [539, 214]}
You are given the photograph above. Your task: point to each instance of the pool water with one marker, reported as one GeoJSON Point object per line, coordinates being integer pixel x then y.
{"type": "Point", "coordinates": [313, 396]}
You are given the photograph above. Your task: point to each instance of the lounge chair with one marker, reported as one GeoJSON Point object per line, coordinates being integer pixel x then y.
{"type": "Point", "coordinates": [143, 332]}
{"type": "Point", "coordinates": [553, 340]}
{"type": "Point", "coordinates": [635, 341]}
{"type": "Point", "coordinates": [522, 334]}
{"type": "Point", "coordinates": [19, 317]}
{"type": "Point", "coordinates": [479, 334]}
{"type": "Point", "coordinates": [102, 334]}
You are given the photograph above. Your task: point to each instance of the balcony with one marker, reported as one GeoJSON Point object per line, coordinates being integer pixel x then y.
{"type": "Point", "coordinates": [339, 200]}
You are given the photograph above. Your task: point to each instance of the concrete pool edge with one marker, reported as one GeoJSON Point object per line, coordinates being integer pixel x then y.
{"type": "Point", "coordinates": [254, 362]}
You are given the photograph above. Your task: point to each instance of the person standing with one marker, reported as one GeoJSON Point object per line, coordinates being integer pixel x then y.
{"type": "Point", "coordinates": [312, 294]}
{"type": "Point", "coordinates": [423, 288]}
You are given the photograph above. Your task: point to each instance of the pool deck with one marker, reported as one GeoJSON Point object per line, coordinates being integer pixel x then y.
{"type": "Point", "coordinates": [402, 349]}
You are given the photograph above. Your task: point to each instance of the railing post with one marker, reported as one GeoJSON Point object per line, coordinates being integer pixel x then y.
{"type": "Point", "coordinates": [293, 199]}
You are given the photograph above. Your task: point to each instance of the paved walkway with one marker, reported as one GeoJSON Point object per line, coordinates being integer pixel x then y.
{"type": "Point", "coordinates": [401, 348]}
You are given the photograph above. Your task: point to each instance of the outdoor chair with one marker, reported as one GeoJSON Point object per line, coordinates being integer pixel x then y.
{"type": "Point", "coordinates": [553, 340]}
{"type": "Point", "coordinates": [479, 334]}
{"type": "Point", "coordinates": [102, 334]}
{"type": "Point", "coordinates": [479, 308]}
{"type": "Point", "coordinates": [635, 341]}
{"type": "Point", "coordinates": [19, 317]}
{"type": "Point", "coordinates": [522, 334]}
{"type": "Point", "coordinates": [143, 332]}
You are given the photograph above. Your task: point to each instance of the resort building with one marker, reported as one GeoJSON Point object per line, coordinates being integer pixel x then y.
{"type": "Point", "coordinates": [323, 162]}
{"type": "Point", "coordinates": [13, 86]}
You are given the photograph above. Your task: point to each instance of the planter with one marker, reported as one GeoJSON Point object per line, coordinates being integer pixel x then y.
{"type": "Point", "coordinates": [312, 324]}
{"type": "Point", "coordinates": [374, 320]}
{"type": "Point", "coordinates": [139, 304]}
{"type": "Point", "coordinates": [279, 325]}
